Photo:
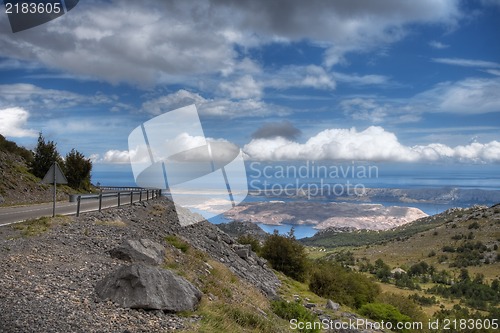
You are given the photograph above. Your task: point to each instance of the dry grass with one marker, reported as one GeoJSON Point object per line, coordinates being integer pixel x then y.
{"type": "Point", "coordinates": [229, 304]}
{"type": "Point", "coordinates": [418, 247]}
{"type": "Point", "coordinates": [35, 227]}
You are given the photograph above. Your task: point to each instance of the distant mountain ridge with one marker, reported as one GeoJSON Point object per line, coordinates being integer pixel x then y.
{"type": "Point", "coordinates": [439, 195]}
{"type": "Point", "coordinates": [335, 237]}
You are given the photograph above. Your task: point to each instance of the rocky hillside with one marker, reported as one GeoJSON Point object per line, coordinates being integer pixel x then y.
{"type": "Point", "coordinates": [338, 237]}
{"type": "Point", "coordinates": [57, 273]}
{"type": "Point", "coordinates": [17, 184]}
{"type": "Point", "coordinates": [50, 268]}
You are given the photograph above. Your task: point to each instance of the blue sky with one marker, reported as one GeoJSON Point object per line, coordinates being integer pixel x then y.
{"type": "Point", "coordinates": [397, 81]}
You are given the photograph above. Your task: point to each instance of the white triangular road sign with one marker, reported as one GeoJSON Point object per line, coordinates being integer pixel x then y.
{"type": "Point", "coordinates": [56, 173]}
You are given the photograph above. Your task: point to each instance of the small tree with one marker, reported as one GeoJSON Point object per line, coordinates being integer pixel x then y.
{"type": "Point", "coordinates": [286, 255]}
{"type": "Point", "coordinates": [78, 170]}
{"type": "Point", "coordinates": [45, 155]}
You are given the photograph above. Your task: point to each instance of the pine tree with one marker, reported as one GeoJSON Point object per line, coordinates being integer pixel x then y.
{"type": "Point", "coordinates": [78, 170]}
{"type": "Point", "coordinates": [45, 155]}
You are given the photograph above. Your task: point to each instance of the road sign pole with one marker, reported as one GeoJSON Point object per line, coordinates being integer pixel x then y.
{"type": "Point", "coordinates": [55, 186]}
{"type": "Point", "coordinates": [54, 176]}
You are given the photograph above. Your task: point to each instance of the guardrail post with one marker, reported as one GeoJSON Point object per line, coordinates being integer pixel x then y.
{"type": "Point", "coordinates": [140, 195]}
{"type": "Point", "coordinates": [131, 197]}
{"type": "Point", "coordinates": [100, 201]}
{"type": "Point", "coordinates": [118, 199]}
{"type": "Point", "coordinates": [147, 195]}
{"type": "Point", "coordinates": [78, 205]}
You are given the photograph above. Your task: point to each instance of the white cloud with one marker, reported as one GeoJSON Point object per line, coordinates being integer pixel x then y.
{"type": "Point", "coordinates": [365, 109]}
{"type": "Point", "coordinates": [372, 144]}
{"type": "Point", "coordinates": [217, 107]}
{"type": "Point", "coordinates": [493, 71]}
{"type": "Point", "coordinates": [115, 156]}
{"type": "Point", "coordinates": [467, 62]}
{"type": "Point", "coordinates": [371, 79]}
{"type": "Point", "coordinates": [221, 150]}
{"type": "Point", "coordinates": [469, 96]}
{"type": "Point", "coordinates": [34, 97]}
{"type": "Point", "coordinates": [243, 88]}
{"type": "Point", "coordinates": [311, 76]}
{"type": "Point", "coordinates": [377, 110]}
{"type": "Point", "coordinates": [438, 45]}
{"type": "Point", "coordinates": [13, 122]}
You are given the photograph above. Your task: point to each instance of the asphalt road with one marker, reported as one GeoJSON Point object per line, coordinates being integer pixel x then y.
{"type": "Point", "coordinates": [15, 214]}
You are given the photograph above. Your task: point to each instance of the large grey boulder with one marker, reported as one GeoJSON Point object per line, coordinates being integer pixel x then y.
{"type": "Point", "coordinates": [139, 286]}
{"type": "Point", "coordinates": [143, 250]}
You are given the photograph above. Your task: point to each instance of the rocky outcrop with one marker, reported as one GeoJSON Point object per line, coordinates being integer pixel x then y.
{"type": "Point", "coordinates": [240, 259]}
{"type": "Point", "coordinates": [143, 250]}
{"type": "Point", "coordinates": [139, 286]}
{"type": "Point", "coordinates": [236, 229]}
{"type": "Point", "coordinates": [332, 305]}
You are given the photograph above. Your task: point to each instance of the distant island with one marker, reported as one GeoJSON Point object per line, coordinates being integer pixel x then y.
{"type": "Point", "coordinates": [323, 215]}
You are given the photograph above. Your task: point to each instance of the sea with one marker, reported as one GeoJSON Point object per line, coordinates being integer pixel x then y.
{"type": "Point", "coordinates": [280, 179]}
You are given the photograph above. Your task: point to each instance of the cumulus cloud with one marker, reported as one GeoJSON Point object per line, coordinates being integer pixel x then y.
{"type": "Point", "coordinates": [372, 144]}
{"type": "Point", "coordinates": [284, 129]}
{"type": "Point", "coordinates": [184, 143]}
{"type": "Point", "coordinates": [115, 156]}
{"type": "Point", "coordinates": [168, 41]}
{"type": "Point", "coordinates": [13, 122]}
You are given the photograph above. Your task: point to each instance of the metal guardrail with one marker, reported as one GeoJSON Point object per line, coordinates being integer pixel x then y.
{"type": "Point", "coordinates": [124, 192]}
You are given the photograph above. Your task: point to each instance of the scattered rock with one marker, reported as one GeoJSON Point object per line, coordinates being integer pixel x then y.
{"type": "Point", "coordinates": [236, 229]}
{"type": "Point", "coordinates": [242, 251]}
{"type": "Point", "coordinates": [139, 286]}
{"type": "Point", "coordinates": [332, 305]}
{"type": "Point", "coordinates": [310, 305]}
{"type": "Point", "coordinates": [143, 250]}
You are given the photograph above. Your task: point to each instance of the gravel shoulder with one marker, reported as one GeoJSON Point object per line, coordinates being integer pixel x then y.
{"type": "Point", "coordinates": [47, 281]}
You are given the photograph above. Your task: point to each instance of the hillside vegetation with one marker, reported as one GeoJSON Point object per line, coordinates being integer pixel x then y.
{"type": "Point", "coordinates": [332, 238]}
{"type": "Point", "coordinates": [18, 184]}
{"type": "Point", "coordinates": [449, 264]}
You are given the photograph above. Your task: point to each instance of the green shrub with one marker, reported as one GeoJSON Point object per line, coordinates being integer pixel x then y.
{"type": "Point", "coordinates": [383, 312]}
{"type": "Point", "coordinates": [294, 310]}
{"type": "Point", "coordinates": [474, 225]}
{"type": "Point", "coordinates": [177, 243]}
{"type": "Point", "coordinates": [333, 281]}
{"type": "Point", "coordinates": [252, 241]}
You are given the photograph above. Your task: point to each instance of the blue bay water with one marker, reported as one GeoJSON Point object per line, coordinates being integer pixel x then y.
{"type": "Point", "coordinates": [405, 176]}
